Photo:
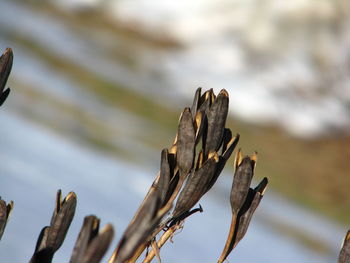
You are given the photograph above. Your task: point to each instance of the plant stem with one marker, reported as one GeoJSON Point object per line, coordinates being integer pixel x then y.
{"type": "Point", "coordinates": [163, 239]}
{"type": "Point", "coordinates": [228, 245]}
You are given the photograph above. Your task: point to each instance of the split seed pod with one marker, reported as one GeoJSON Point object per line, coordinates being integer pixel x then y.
{"type": "Point", "coordinates": [244, 200]}
{"type": "Point", "coordinates": [241, 181]}
{"type": "Point", "coordinates": [52, 237]}
{"type": "Point", "coordinates": [91, 245]}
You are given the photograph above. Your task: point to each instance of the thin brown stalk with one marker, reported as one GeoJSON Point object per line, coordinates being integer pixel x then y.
{"type": "Point", "coordinates": [228, 245]}
{"type": "Point", "coordinates": [162, 240]}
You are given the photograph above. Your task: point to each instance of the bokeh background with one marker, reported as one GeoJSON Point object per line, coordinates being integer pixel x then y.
{"type": "Point", "coordinates": [97, 88]}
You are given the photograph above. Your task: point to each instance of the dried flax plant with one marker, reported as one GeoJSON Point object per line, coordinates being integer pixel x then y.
{"type": "Point", "coordinates": [188, 170]}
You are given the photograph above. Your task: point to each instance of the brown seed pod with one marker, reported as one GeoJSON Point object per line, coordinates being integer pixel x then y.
{"type": "Point", "coordinates": [216, 122]}
{"type": "Point", "coordinates": [61, 221]}
{"type": "Point", "coordinates": [99, 245]}
{"type": "Point", "coordinates": [91, 245]}
{"type": "Point", "coordinates": [88, 231]}
{"type": "Point", "coordinates": [51, 237]}
{"type": "Point", "coordinates": [196, 186]}
{"type": "Point", "coordinates": [139, 230]}
{"type": "Point", "coordinates": [241, 181]}
{"type": "Point", "coordinates": [164, 178]}
{"type": "Point", "coordinates": [185, 143]}
{"type": "Point", "coordinates": [195, 104]}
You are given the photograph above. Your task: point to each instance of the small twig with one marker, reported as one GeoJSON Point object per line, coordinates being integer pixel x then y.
{"type": "Point", "coordinates": [156, 249]}
{"type": "Point", "coordinates": [183, 216]}
{"type": "Point", "coordinates": [163, 239]}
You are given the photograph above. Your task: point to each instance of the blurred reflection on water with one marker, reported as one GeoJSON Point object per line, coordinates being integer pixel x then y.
{"type": "Point", "coordinates": [95, 83]}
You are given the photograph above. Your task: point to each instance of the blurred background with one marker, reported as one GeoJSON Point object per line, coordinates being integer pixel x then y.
{"type": "Point", "coordinates": [97, 89]}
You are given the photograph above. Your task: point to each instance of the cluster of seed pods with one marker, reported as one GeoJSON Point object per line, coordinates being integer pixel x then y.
{"type": "Point", "coordinates": [188, 170]}
{"type": "Point", "coordinates": [182, 167]}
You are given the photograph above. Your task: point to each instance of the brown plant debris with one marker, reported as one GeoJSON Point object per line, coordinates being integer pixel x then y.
{"type": "Point", "coordinates": [6, 60]}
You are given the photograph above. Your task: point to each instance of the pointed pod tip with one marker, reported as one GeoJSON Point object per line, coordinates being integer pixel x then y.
{"type": "Point", "coordinates": [254, 156]}
{"type": "Point", "coordinates": [71, 195]}
{"type": "Point", "coordinates": [214, 155]}
{"type": "Point", "coordinates": [173, 149]}
{"type": "Point", "coordinates": [224, 93]}
{"type": "Point", "coordinates": [238, 158]}
{"type": "Point", "coordinates": [107, 228]}
{"type": "Point", "coordinates": [8, 52]}
{"type": "Point", "coordinates": [261, 187]}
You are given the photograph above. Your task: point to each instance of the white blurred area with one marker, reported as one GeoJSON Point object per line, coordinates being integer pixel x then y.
{"type": "Point", "coordinates": [282, 61]}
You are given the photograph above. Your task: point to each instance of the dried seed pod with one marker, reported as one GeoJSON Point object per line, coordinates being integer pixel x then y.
{"type": "Point", "coordinates": [52, 237]}
{"type": "Point", "coordinates": [241, 181]}
{"type": "Point", "coordinates": [88, 231]}
{"type": "Point", "coordinates": [195, 104]}
{"type": "Point", "coordinates": [139, 230]}
{"type": "Point", "coordinates": [164, 179]}
{"type": "Point", "coordinates": [245, 218]}
{"type": "Point", "coordinates": [41, 242]}
{"type": "Point", "coordinates": [216, 122]}
{"type": "Point", "coordinates": [185, 143]}
{"type": "Point", "coordinates": [61, 221]}
{"type": "Point", "coordinates": [99, 245]}
{"type": "Point", "coordinates": [344, 255]}
{"type": "Point", "coordinates": [5, 68]}
{"type": "Point", "coordinates": [196, 186]}
{"type": "Point", "coordinates": [91, 245]}
{"type": "Point", "coordinates": [42, 252]}
{"type": "Point", "coordinates": [5, 211]}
